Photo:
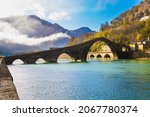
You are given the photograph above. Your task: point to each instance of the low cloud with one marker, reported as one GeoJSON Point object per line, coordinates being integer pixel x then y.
{"type": "Point", "coordinates": [41, 8]}
{"type": "Point", "coordinates": [56, 16]}
{"type": "Point", "coordinates": [12, 41]}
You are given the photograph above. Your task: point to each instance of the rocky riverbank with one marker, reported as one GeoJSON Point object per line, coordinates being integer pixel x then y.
{"type": "Point", "coordinates": [140, 55]}
{"type": "Point", "coordinates": [7, 88]}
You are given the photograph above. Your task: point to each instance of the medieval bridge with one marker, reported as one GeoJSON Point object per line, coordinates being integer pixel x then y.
{"type": "Point", "coordinates": [76, 52]}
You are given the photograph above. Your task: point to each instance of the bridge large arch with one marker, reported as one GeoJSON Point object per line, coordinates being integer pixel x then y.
{"type": "Point", "coordinates": [85, 47]}
{"type": "Point", "coordinates": [111, 44]}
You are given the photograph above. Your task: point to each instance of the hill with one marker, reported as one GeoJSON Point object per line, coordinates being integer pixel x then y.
{"type": "Point", "coordinates": [130, 26]}
{"type": "Point", "coordinates": [137, 13]}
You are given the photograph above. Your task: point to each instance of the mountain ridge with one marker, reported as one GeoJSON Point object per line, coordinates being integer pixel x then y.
{"type": "Point", "coordinates": [43, 28]}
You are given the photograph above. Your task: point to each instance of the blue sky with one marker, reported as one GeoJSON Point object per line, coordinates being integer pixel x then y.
{"type": "Point", "coordinates": [70, 14]}
{"type": "Point", "coordinates": [93, 15]}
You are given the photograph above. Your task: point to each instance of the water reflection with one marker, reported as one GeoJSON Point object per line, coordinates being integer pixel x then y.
{"type": "Point", "coordinates": [126, 79]}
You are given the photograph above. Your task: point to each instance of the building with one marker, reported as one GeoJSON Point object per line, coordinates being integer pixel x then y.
{"type": "Point", "coordinates": [140, 46]}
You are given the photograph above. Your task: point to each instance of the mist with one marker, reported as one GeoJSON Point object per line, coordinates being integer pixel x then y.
{"type": "Point", "coordinates": [13, 41]}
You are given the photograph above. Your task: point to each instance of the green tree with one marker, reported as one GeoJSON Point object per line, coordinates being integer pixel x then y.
{"type": "Point", "coordinates": [104, 26]}
{"type": "Point", "coordinates": [145, 32]}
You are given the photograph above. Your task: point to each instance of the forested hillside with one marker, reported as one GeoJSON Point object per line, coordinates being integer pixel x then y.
{"type": "Point", "coordinates": [131, 26]}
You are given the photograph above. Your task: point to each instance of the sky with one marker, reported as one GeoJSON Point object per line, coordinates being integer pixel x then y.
{"type": "Point", "coordinates": [71, 14]}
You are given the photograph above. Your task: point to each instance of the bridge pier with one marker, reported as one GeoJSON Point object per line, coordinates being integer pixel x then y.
{"type": "Point", "coordinates": [29, 61]}
{"type": "Point", "coordinates": [8, 63]}
{"type": "Point", "coordinates": [83, 60]}
{"type": "Point", "coordinates": [83, 57]}
{"type": "Point", "coordinates": [50, 60]}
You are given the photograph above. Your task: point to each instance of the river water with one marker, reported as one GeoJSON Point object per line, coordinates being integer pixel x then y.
{"type": "Point", "coordinates": [94, 80]}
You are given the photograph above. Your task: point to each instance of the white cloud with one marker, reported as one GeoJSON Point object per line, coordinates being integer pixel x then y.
{"type": "Point", "coordinates": [36, 9]}
{"type": "Point", "coordinates": [14, 7]}
{"type": "Point", "coordinates": [41, 8]}
{"type": "Point", "coordinates": [55, 16]}
{"type": "Point", "coordinates": [24, 40]}
{"type": "Point", "coordinates": [21, 43]}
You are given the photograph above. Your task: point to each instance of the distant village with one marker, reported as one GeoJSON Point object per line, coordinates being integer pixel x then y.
{"type": "Point", "coordinates": [141, 46]}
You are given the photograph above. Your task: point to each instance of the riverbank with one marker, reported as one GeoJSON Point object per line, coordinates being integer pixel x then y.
{"type": "Point", "coordinates": [7, 88]}
{"type": "Point", "coordinates": [140, 55]}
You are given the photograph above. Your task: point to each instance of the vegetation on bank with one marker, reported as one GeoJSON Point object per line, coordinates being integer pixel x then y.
{"type": "Point", "coordinates": [131, 26]}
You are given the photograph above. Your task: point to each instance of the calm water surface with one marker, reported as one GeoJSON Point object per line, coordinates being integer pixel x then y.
{"type": "Point", "coordinates": [125, 79]}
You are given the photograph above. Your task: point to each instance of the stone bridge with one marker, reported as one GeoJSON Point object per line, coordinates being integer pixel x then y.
{"type": "Point", "coordinates": [76, 52]}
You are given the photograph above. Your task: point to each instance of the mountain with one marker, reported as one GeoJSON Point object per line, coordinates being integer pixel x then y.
{"type": "Point", "coordinates": [33, 26]}
{"type": "Point", "coordinates": [131, 26]}
{"type": "Point", "coordinates": [30, 33]}
{"type": "Point", "coordinates": [137, 13]}
{"type": "Point", "coordinates": [81, 31]}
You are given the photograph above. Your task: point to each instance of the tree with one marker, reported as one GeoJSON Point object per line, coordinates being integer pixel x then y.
{"type": "Point", "coordinates": [99, 34]}
{"type": "Point", "coordinates": [145, 32]}
{"type": "Point", "coordinates": [104, 26]}
{"type": "Point", "coordinates": [131, 18]}
{"type": "Point", "coordinates": [147, 12]}
{"type": "Point", "coordinates": [125, 22]}
{"type": "Point", "coordinates": [138, 37]}
{"type": "Point", "coordinates": [147, 0]}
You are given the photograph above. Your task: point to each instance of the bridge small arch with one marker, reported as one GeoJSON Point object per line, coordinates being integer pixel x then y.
{"type": "Point", "coordinates": [18, 62]}
{"type": "Point", "coordinates": [99, 56]}
{"type": "Point", "coordinates": [64, 58]}
{"type": "Point", "coordinates": [107, 56]}
{"type": "Point", "coordinates": [40, 61]}
{"type": "Point", "coordinates": [92, 56]}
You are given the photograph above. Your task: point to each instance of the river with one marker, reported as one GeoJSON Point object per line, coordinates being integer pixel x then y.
{"type": "Point", "coordinates": [94, 80]}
